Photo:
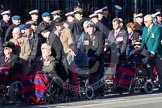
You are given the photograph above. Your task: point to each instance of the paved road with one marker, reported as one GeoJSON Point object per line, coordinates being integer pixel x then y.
{"type": "Point", "coordinates": [113, 101]}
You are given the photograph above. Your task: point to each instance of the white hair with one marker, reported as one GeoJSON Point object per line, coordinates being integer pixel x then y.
{"type": "Point", "coordinates": [148, 17]}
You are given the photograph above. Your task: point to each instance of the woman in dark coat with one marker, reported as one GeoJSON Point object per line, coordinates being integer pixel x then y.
{"type": "Point", "coordinates": [132, 37]}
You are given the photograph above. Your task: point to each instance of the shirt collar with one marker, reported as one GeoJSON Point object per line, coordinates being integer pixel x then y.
{"type": "Point", "coordinates": [150, 26]}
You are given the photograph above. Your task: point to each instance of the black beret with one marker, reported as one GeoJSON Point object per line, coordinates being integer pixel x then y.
{"type": "Point", "coordinates": [42, 27]}
{"type": "Point", "coordinates": [27, 26]}
{"type": "Point", "coordinates": [9, 44]}
{"type": "Point", "coordinates": [58, 21]}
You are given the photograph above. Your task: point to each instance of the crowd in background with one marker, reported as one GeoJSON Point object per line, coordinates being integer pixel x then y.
{"type": "Point", "coordinates": [57, 46]}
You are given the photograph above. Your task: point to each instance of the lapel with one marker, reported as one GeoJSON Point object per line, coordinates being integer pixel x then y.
{"type": "Point", "coordinates": [149, 34]}
{"type": "Point", "coordinates": [9, 60]}
{"type": "Point", "coordinates": [117, 34]}
{"type": "Point", "coordinates": [112, 36]}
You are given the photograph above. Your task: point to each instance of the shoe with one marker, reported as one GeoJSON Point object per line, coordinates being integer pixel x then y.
{"type": "Point", "coordinates": [149, 80]}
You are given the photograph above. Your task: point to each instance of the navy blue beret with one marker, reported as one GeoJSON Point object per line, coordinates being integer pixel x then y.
{"type": "Point", "coordinates": [15, 17]}
{"type": "Point", "coordinates": [21, 26]}
{"type": "Point", "coordinates": [27, 26]}
{"type": "Point", "coordinates": [45, 14]}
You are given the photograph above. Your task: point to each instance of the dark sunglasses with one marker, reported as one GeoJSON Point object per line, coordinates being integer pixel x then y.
{"type": "Point", "coordinates": [137, 44]}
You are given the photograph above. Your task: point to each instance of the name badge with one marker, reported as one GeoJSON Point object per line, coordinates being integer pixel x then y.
{"type": "Point", "coordinates": [119, 39]}
{"type": "Point", "coordinates": [152, 35]}
{"type": "Point", "coordinates": [86, 42]}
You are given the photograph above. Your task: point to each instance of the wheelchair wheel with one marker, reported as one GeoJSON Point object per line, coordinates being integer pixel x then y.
{"type": "Point", "coordinates": [55, 92]}
{"type": "Point", "coordinates": [148, 87]}
{"type": "Point", "coordinates": [47, 99]}
{"type": "Point", "coordinates": [15, 91]}
{"type": "Point", "coordinates": [89, 91]}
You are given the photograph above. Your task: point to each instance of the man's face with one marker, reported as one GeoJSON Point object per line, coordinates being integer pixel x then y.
{"type": "Point", "coordinates": [116, 25]}
{"type": "Point", "coordinates": [46, 19]}
{"type": "Point", "coordinates": [34, 17]}
{"type": "Point", "coordinates": [27, 31]}
{"type": "Point", "coordinates": [16, 34]}
{"type": "Point", "coordinates": [90, 30]}
{"type": "Point", "coordinates": [16, 22]}
{"type": "Point", "coordinates": [45, 34]}
{"type": "Point", "coordinates": [6, 17]}
{"type": "Point", "coordinates": [72, 52]}
{"type": "Point", "coordinates": [137, 47]}
{"type": "Point", "coordinates": [70, 18]}
{"type": "Point", "coordinates": [94, 20]}
{"type": "Point", "coordinates": [139, 20]}
{"type": "Point", "coordinates": [105, 12]}
{"type": "Point", "coordinates": [59, 27]}
{"type": "Point", "coordinates": [7, 51]}
{"type": "Point", "coordinates": [100, 16]}
{"type": "Point", "coordinates": [45, 53]}
{"type": "Point", "coordinates": [159, 18]}
{"type": "Point", "coordinates": [147, 23]}
{"type": "Point", "coordinates": [34, 27]}
{"type": "Point", "coordinates": [78, 16]}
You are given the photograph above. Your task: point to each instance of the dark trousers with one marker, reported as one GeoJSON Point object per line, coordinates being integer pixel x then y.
{"type": "Point", "coordinates": [158, 64]}
{"type": "Point", "coordinates": [155, 62]}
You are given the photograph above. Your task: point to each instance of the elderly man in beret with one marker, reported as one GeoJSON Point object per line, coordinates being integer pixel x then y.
{"type": "Point", "coordinates": [9, 60]}
{"type": "Point", "coordinates": [22, 48]}
{"type": "Point", "coordinates": [33, 41]}
{"type": "Point", "coordinates": [15, 23]}
{"type": "Point", "coordinates": [93, 46]}
{"type": "Point", "coordinates": [42, 71]}
{"type": "Point", "coordinates": [151, 38]}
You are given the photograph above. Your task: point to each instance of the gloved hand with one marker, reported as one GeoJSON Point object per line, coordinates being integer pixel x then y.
{"type": "Point", "coordinates": [92, 61]}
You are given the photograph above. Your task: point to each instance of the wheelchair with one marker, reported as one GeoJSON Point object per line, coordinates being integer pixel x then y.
{"type": "Point", "coordinates": [56, 91]}
{"type": "Point", "coordinates": [59, 91]}
{"type": "Point", "coordinates": [10, 93]}
{"type": "Point", "coordinates": [86, 90]}
{"type": "Point", "coordinates": [139, 82]}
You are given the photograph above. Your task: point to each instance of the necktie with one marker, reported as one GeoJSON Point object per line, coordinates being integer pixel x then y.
{"type": "Point", "coordinates": [92, 37]}
{"type": "Point", "coordinates": [116, 33]}
{"type": "Point", "coordinates": [6, 59]}
{"type": "Point", "coordinates": [70, 58]}
{"type": "Point", "coordinates": [130, 36]}
{"type": "Point", "coordinates": [149, 29]}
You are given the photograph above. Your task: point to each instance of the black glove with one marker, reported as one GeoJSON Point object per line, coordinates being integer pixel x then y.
{"type": "Point", "coordinates": [92, 61]}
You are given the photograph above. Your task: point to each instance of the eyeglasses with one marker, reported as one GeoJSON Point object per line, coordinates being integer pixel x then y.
{"type": "Point", "coordinates": [70, 50]}
{"type": "Point", "coordinates": [6, 48]}
{"type": "Point", "coordinates": [16, 33]}
{"type": "Point", "coordinates": [137, 44]}
{"type": "Point", "coordinates": [147, 21]}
